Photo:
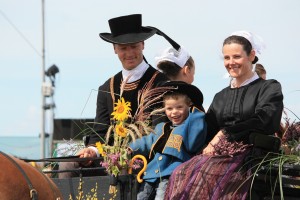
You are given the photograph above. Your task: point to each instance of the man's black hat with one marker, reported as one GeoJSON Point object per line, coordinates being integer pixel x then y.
{"type": "Point", "coordinates": [127, 29]}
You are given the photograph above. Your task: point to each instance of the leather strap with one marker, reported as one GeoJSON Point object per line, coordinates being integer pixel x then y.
{"type": "Point", "coordinates": [63, 159]}
{"type": "Point", "coordinates": [32, 191]}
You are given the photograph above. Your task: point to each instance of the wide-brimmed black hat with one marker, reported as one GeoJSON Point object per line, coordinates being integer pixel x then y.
{"type": "Point", "coordinates": [127, 29]}
{"type": "Point", "coordinates": [191, 91]}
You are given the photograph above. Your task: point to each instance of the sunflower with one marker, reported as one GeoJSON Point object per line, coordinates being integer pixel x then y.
{"type": "Point", "coordinates": [121, 110]}
{"type": "Point", "coordinates": [100, 149]}
{"type": "Point", "coordinates": [121, 130]}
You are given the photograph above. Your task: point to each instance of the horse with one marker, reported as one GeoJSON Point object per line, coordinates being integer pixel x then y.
{"type": "Point", "coordinates": [20, 180]}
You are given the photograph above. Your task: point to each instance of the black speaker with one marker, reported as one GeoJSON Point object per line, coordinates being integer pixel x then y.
{"type": "Point", "coordinates": [66, 129]}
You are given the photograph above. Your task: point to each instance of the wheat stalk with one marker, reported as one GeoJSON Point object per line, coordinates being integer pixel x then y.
{"type": "Point", "coordinates": [148, 97]}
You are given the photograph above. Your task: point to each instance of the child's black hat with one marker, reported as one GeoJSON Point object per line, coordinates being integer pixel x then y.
{"type": "Point", "coordinates": [190, 90]}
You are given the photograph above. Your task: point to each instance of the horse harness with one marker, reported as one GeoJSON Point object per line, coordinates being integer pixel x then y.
{"type": "Point", "coordinates": [33, 192]}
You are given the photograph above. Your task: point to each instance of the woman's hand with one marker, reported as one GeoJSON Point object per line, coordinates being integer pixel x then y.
{"type": "Point", "coordinates": [209, 150]}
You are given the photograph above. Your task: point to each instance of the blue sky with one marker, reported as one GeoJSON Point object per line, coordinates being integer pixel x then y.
{"type": "Point", "coordinates": [85, 61]}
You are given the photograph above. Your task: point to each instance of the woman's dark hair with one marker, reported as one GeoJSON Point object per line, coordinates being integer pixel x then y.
{"type": "Point", "coordinates": [242, 41]}
{"type": "Point", "coordinates": [171, 70]}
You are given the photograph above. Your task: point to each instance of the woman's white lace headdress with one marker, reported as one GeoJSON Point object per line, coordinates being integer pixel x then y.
{"type": "Point", "coordinates": [256, 41]}
{"type": "Point", "coordinates": [179, 57]}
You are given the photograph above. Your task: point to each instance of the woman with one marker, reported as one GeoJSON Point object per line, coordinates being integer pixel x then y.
{"type": "Point", "coordinates": [177, 65]}
{"type": "Point", "coordinates": [248, 108]}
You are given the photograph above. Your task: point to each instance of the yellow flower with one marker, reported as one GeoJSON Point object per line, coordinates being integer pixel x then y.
{"type": "Point", "coordinates": [100, 148]}
{"type": "Point", "coordinates": [121, 130]}
{"type": "Point", "coordinates": [121, 110]}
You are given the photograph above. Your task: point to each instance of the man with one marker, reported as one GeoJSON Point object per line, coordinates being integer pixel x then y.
{"type": "Point", "coordinates": [127, 36]}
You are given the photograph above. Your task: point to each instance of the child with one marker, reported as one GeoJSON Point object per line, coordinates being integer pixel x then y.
{"type": "Point", "coordinates": [173, 142]}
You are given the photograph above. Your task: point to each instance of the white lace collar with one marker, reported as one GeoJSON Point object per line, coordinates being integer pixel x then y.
{"type": "Point", "coordinates": [136, 73]}
{"type": "Point", "coordinates": [246, 82]}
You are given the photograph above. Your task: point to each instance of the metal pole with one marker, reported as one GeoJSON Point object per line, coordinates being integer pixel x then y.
{"type": "Point", "coordinates": [43, 80]}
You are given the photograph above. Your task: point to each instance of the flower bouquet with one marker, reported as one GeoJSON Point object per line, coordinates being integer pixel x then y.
{"type": "Point", "coordinates": [116, 157]}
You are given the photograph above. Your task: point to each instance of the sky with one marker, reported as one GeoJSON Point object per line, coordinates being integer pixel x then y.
{"type": "Point", "coordinates": [85, 61]}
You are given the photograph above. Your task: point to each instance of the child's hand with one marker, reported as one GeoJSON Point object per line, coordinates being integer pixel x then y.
{"type": "Point", "coordinates": [129, 150]}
